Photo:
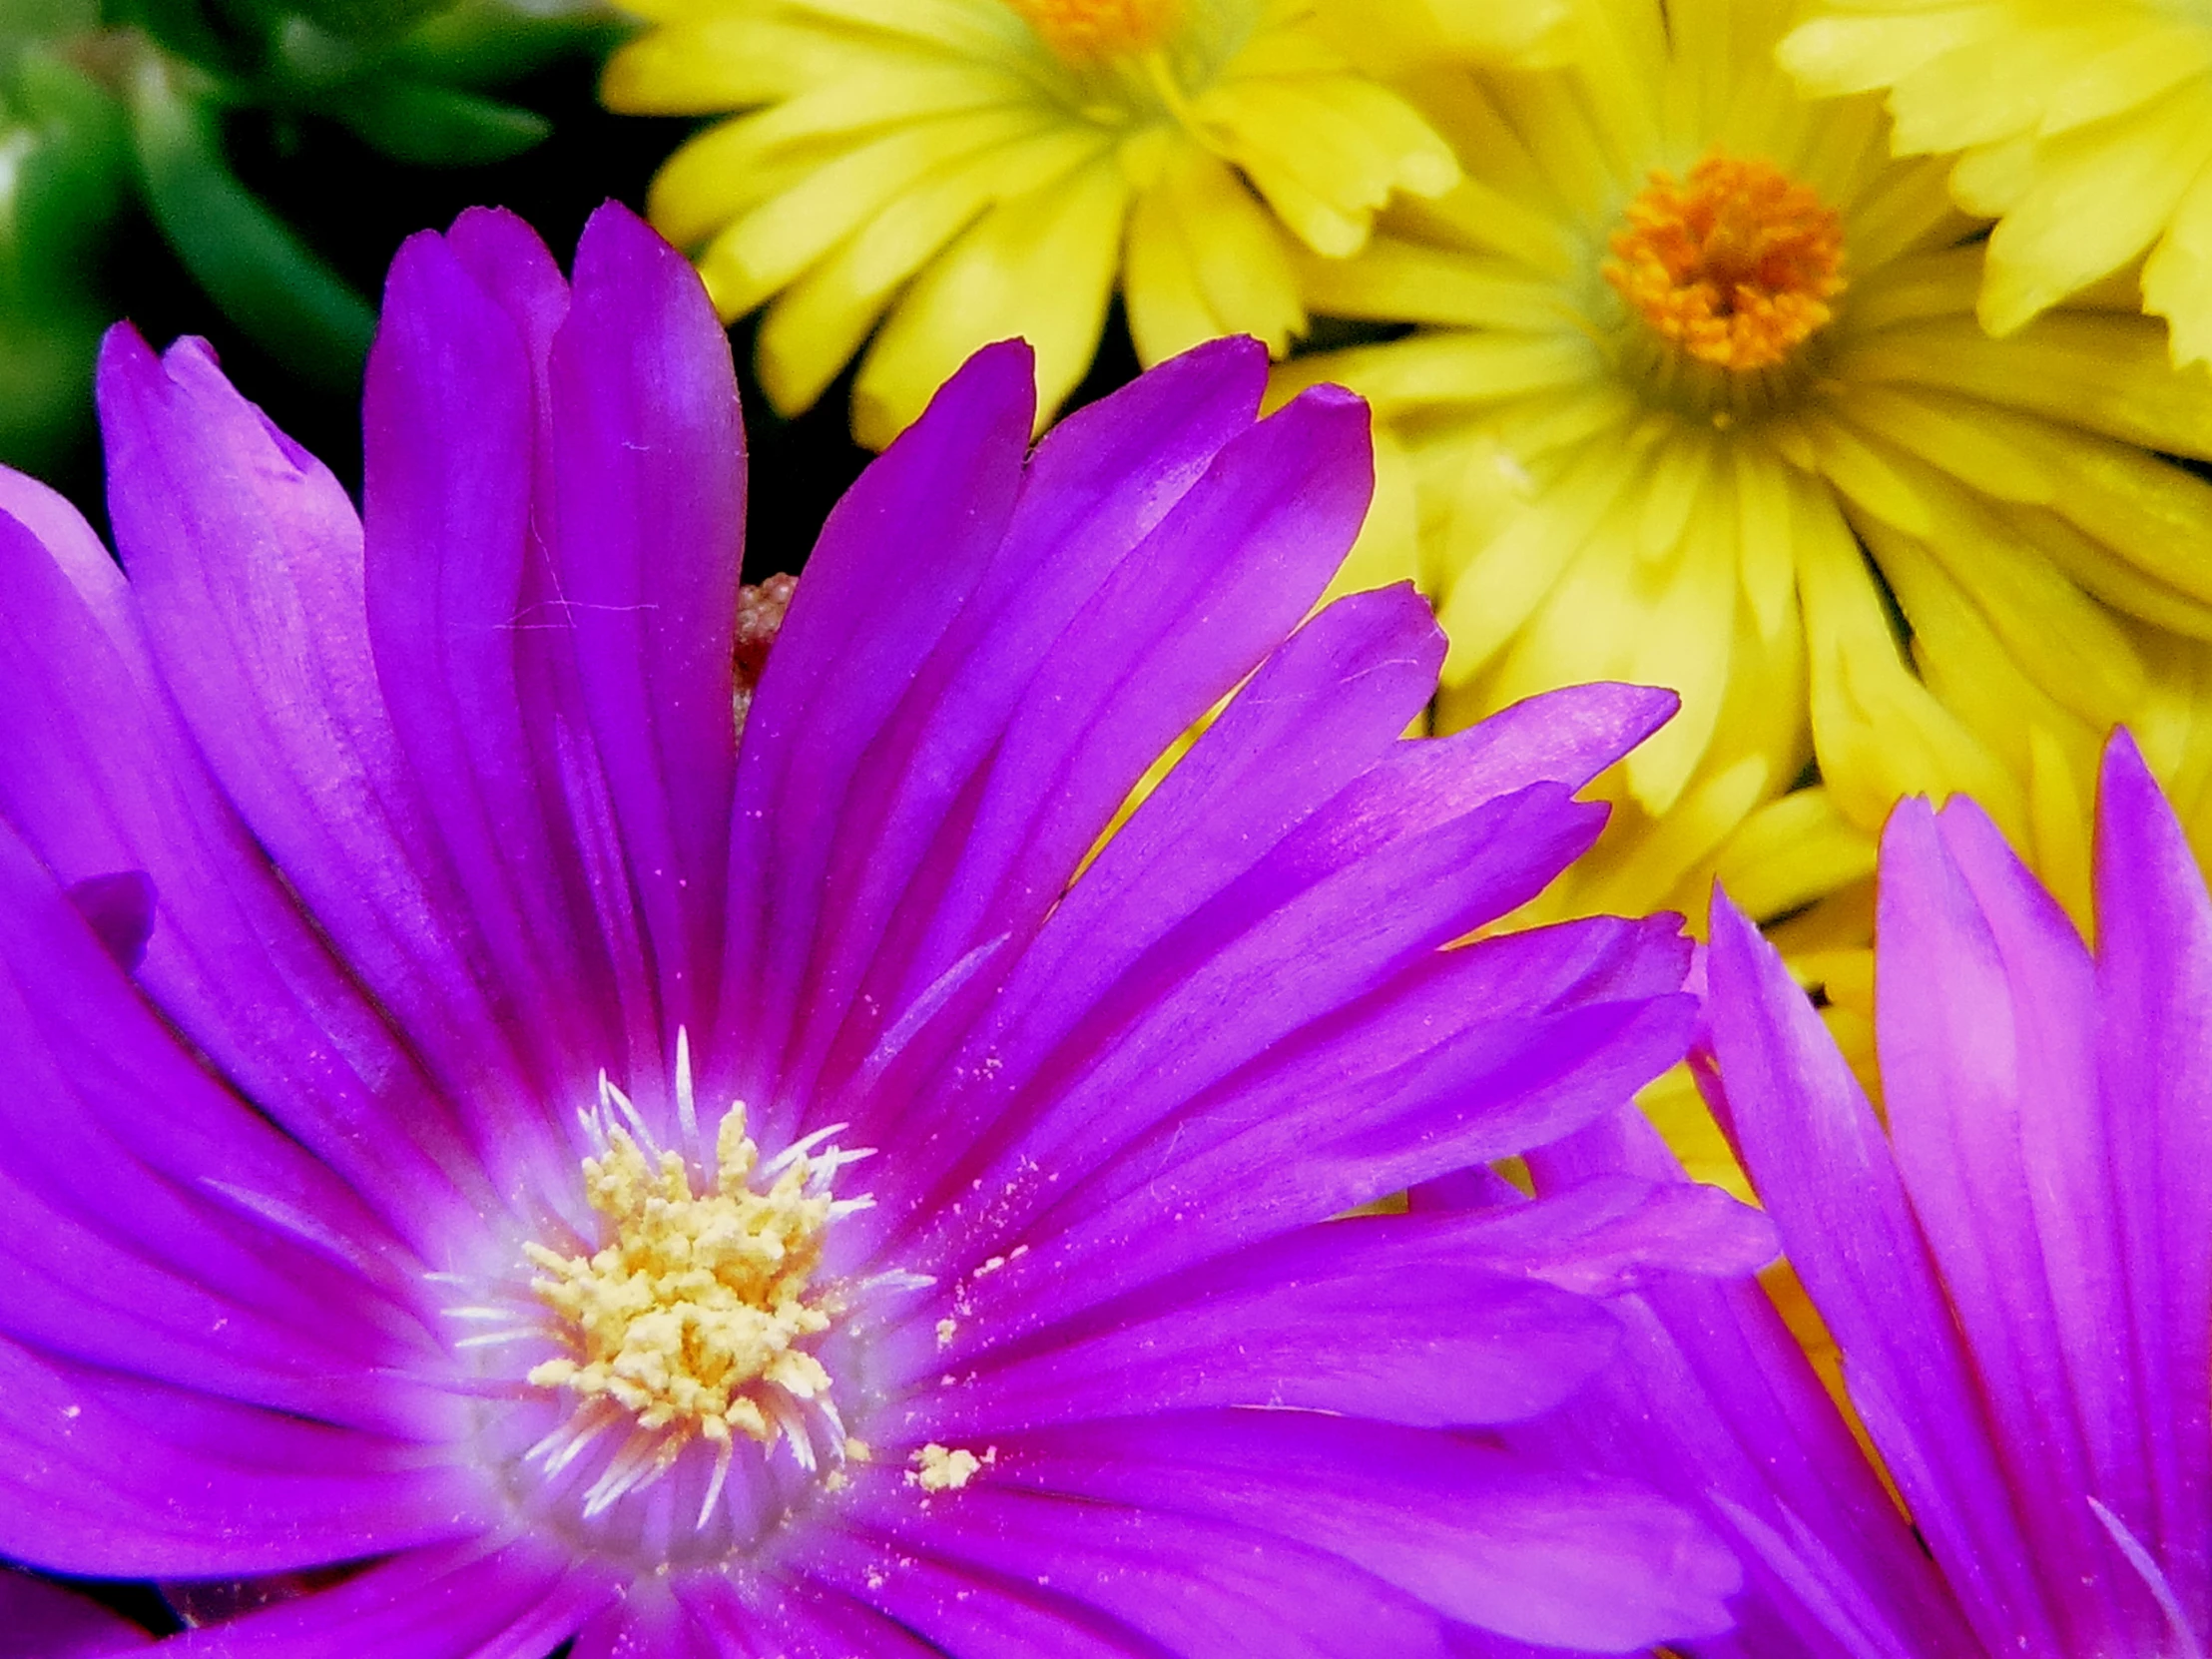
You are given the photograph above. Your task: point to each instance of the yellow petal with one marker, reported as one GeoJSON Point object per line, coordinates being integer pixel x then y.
{"type": "Point", "coordinates": [2061, 815]}
{"type": "Point", "coordinates": [817, 323]}
{"type": "Point", "coordinates": [717, 61]}
{"type": "Point", "coordinates": [2107, 373]}
{"type": "Point", "coordinates": [1792, 850]}
{"type": "Point", "coordinates": [1499, 576]}
{"type": "Point", "coordinates": [1405, 282]}
{"type": "Point", "coordinates": [1389, 546]}
{"type": "Point", "coordinates": [2098, 199]}
{"type": "Point", "coordinates": [1040, 265]}
{"type": "Point", "coordinates": [785, 235]}
{"type": "Point", "coordinates": [1327, 150]}
{"type": "Point", "coordinates": [2177, 279]}
{"type": "Point", "coordinates": [1879, 731]}
{"type": "Point", "coordinates": [1230, 250]}
{"type": "Point", "coordinates": [1833, 55]}
{"type": "Point", "coordinates": [1167, 312]}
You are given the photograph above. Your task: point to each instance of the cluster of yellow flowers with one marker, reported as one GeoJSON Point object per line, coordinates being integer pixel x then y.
{"type": "Point", "coordinates": [1840, 365]}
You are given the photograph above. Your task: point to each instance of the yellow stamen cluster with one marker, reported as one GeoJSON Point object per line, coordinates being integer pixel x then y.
{"type": "Point", "coordinates": [1085, 31]}
{"type": "Point", "coordinates": [689, 1315]}
{"type": "Point", "coordinates": [1736, 265]}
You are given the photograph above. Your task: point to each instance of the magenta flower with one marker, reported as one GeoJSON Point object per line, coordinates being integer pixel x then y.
{"type": "Point", "coordinates": [479, 1140]}
{"type": "Point", "coordinates": [2018, 1272]}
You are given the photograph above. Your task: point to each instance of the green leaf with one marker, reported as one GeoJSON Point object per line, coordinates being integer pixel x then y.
{"type": "Point", "coordinates": [250, 263]}
{"type": "Point", "coordinates": [63, 172]}
{"type": "Point", "coordinates": [484, 43]}
{"type": "Point", "coordinates": [26, 23]}
{"type": "Point", "coordinates": [428, 126]}
{"type": "Point", "coordinates": [366, 19]}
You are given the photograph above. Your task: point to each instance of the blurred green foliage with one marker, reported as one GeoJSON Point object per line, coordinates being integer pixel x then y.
{"type": "Point", "coordinates": [116, 108]}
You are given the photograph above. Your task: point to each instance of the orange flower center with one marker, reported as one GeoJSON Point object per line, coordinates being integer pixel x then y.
{"type": "Point", "coordinates": [1084, 31]}
{"type": "Point", "coordinates": [1736, 265]}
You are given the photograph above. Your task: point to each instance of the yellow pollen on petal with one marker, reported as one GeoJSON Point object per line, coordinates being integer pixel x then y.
{"type": "Point", "coordinates": [690, 1315]}
{"type": "Point", "coordinates": [1084, 31]}
{"type": "Point", "coordinates": [1738, 263]}
{"type": "Point", "coordinates": [942, 1468]}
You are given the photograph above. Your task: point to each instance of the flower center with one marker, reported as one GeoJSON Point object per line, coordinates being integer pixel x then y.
{"type": "Point", "coordinates": [690, 1317]}
{"type": "Point", "coordinates": [1080, 32]}
{"type": "Point", "coordinates": [1736, 265]}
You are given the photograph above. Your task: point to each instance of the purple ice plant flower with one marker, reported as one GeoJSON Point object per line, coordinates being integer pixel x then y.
{"type": "Point", "coordinates": [500, 1161]}
{"type": "Point", "coordinates": [2016, 1268]}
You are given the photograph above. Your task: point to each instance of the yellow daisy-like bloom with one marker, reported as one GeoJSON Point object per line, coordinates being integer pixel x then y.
{"type": "Point", "coordinates": [946, 173]}
{"type": "Point", "coordinates": [2086, 130]}
{"type": "Point", "coordinates": [1701, 400]}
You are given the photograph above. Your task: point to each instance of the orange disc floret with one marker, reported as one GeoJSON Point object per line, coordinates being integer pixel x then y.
{"type": "Point", "coordinates": [1084, 31]}
{"type": "Point", "coordinates": [1737, 263]}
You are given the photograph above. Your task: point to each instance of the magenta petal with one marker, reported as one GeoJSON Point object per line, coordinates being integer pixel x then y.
{"type": "Point", "coordinates": [976, 1615]}
{"type": "Point", "coordinates": [1822, 1165]}
{"type": "Point", "coordinates": [118, 908]}
{"type": "Point", "coordinates": [906, 897]}
{"type": "Point", "coordinates": [450, 434]}
{"type": "Point", "coordinates": [100, 780]}
{"type": "Point", "coordinates": [519, 1601]}
{"type": "Point", "coordinates": [150, 1481]}
{"type": "Point", "coordinates": [1290, 944]}
{"type": "Point", "coordinates": [649, 530]}
{"type": "Point", "coordinates": [1717, 1405]}
{"type": "Point", "coordinates": [1477, 1533]}
{"type": "Point", "coordinates": [1193, 608]}
{"type": "Point", "coordinates": [109, 1212]}
{"type": "Point", "coordinates": [246, 564]}
{"type": "Point", "coordinates": [2153, 988]}
{"type": "Point", "coordinates": [861, 626]}
{"type": "Point", "coordinates": [1260, 1594]}
{"type": "Point", "coordinates": [1382, 1317]}
{"type": "Point", "coordinates": [1991, 1077]}
{"type": "Point", "coordinates": [513, 268]}
{"type": "Point", "coordinates": [1474, 1055]}
{"type": "Point", "coordinates": [1324, 708]}
{"type": "Point", "coordinates": [1611, 1233]}
{"type": "Point", "coordinates": [44, 1621]}
{"type": "Point", "coordinates": [806, 1620]}
{"type": "Point", "coordinates": [1567, 735]}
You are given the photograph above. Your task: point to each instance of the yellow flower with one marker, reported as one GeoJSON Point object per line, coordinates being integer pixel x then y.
{"type": "Point", "coordinates": [2085, 124]}
{"type": "Point", "coordinates": [1700, 400]}
{"type": "Point", "coordinates": [946, 173]}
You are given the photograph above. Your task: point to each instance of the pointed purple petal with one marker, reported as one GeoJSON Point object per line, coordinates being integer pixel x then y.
{"type": "Point", "coordinates": [1717, 1405]}
{"type": "Point", "coordinates": [1256, 1594]}
{"type": "Point", "coordinates": [100, 779]}
{"type": "Point", "coordinates": [649, 532]}
{"type": "Point", "coordinates": [1096, 487]}
{"type": "Point", "coordinates": [1472, 1054]}
{"type": "Point", "coordinates": [110, 1477]}
{"type": "Point", "coordinates": [471, 1601]}
{"type": "Point", "coordinates": [246, 564]}
{"type": "Point", "coordinates": [450, 435]}
{"type": "Point", "coordinates": [861, 626]}
{"type": "Point", "coordinates": [1824, 1169]}
{"type": "Point", "coordinates": [2154, 1015]}
{"type": "Point", "coordinates": [1380, 1317]}
{"type": "Point", "coordinates": [1479, 1534]}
